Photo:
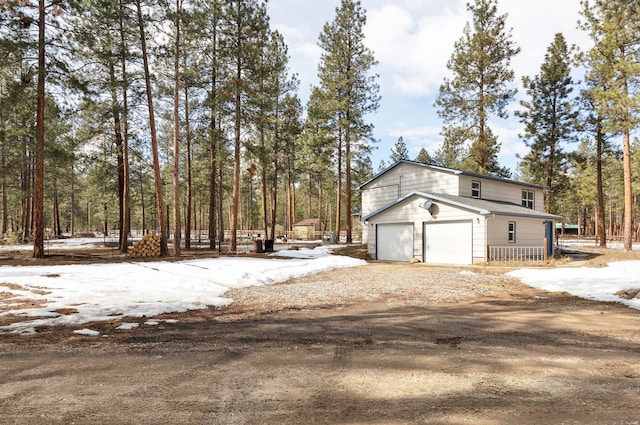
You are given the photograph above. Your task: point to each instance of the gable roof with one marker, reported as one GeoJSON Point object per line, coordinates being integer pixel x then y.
{"type": "Point", "coordinates": [449, 171]}
{"type": "Point", "coordinates": [480, 206]}
{"type": "Point", "coordinates": [307, 222]}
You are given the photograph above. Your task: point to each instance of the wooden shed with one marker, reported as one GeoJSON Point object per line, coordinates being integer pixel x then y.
{"type": "Point", "coordinates": [307, 229]}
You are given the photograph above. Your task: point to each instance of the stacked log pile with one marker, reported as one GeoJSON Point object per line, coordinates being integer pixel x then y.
{"type": "Point", "coordinates": [149, 246]}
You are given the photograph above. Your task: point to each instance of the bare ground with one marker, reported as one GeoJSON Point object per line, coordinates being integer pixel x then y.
{"type": "Point", "coordinates": [380, 344]}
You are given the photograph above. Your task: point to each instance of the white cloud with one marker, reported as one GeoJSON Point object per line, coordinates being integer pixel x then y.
{"type": "Point", "coordinates": [413, 40]}
{"type": "Point", "coordinates": [534, 28]}
{"type": "Point", "coordinates": [413, 48]}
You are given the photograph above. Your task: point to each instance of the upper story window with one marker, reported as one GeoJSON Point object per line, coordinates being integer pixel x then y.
{"type": "Point", "coordinates": [528, 199]}
{"type": "Point", "coordinates": [475, 189]}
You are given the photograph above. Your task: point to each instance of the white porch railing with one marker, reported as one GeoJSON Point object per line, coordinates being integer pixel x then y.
{"type": "Point", "coordinates": [517, 254]}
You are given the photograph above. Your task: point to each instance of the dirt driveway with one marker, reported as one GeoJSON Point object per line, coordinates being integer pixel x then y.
{"type": "Point", "coordinates": [352, 347]}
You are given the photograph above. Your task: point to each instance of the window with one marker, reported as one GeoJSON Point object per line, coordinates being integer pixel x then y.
{"type": "Point", "coordinates": [475, 189]}
{"type": "Point", "coordinates": [512, 232]}
{"type": "Point", "coordinates": [528, 198]}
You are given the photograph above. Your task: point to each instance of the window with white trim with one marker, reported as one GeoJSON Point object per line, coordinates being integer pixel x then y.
{"type": "Point", "coordinates": [512, 232]}
{"type": "Point", "coordinates": [475, 189]}
{"type": "Point", "coordinates": [528, 199]}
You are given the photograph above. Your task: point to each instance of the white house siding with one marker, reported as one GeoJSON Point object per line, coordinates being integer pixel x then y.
{"type": "Point", "coordinates": [529, 231]}
{"type": "Point", "coordinates": [411, 212]}
{"type": "Point", "coordinates": [377, 197]}
{"type": "Point", "coordinates": [501, 191]}
{"type": "Point", "coordinates": [404, 179]}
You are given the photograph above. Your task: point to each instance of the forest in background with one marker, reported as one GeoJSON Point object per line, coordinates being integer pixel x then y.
{"type": "Point", "coordinates": [182, 118]}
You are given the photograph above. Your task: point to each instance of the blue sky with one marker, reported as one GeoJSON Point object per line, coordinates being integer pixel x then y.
{"type": "Point", "coordinates": [412, 41]}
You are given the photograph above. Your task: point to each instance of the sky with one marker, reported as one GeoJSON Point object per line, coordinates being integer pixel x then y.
{"type": "Point", "coordinates": [125, 291]}
{"type": "Point", "coordinates": [412, 41]}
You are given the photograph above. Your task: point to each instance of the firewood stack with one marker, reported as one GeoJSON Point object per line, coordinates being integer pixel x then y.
{"type": "Point", "coordinates": [149, 246]}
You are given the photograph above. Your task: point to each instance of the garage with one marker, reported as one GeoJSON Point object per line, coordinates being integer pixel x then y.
{"type": "Point", "coordinates": [448, 242]}
{"type": "Point", "coordinates": [394, 242]}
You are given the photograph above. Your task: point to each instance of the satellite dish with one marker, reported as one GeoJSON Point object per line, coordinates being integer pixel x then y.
{"type": "Point", "coordinates": [426, 204]}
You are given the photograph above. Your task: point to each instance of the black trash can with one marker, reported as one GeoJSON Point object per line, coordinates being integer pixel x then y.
{"type": "Point", "coordinates": [268, 245]}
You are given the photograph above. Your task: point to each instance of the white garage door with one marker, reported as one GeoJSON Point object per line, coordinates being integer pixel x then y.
{"type": "Point", "coordinates": [448, 242]}
{"type": "Point", "coordinates": [394, 242]}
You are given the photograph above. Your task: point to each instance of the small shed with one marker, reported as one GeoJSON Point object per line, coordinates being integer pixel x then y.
{"type": "Point", "coordinates": [306, 229]}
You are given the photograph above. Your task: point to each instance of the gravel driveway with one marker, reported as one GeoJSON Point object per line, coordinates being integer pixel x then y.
{"type": "Point", "coordinates": [379, 344]}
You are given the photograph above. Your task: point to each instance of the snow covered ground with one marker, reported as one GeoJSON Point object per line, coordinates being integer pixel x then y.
{"type": "Point", "coordinates": [598, 284]}
{"type": "Point", "coordinates": [102, 292]}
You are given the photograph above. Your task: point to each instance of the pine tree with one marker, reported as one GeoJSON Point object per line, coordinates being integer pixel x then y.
{"type": "Point", "coordinates": [593, 125]}
{"type": "Point", "coordinates": [107, 74]}
{"type": "Point", "coordinates": [215, 71]}
{"type": "Point", "coordinates": [478, 88]}
{"type": "Point", "coordinates": [550, 119]}
{"type": "Point", "coordinates": [452, 152]}
{"type": "Point", "coordinates": [152, 128]}
{"type": "Point", "coordinates": [317, 145]}
{"type": "Point", "coordinates": [242, 28]}
{"type": "Point", "coordinates": [424, 157]}
{"type": "Point", "coordinates": [399, 151]}
{"type": "Point", "coordinates": [177, 230]}
{"type": "Point", "coordinates": [614, 26]}
{"type": "Point", "coordinates": [345, 75]}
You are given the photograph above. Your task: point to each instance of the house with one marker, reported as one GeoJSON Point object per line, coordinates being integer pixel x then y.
{"type": "Point", "coordinates": [443, 216]}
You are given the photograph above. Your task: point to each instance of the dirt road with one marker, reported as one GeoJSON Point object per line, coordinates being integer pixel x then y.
{"type": "Point", "coordinates": [491, 352]}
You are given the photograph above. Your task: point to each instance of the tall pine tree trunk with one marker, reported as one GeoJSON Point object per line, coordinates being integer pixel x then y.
{"type": "Point", "coordinates": [27, 192]}
{"type": "Point", "coordinates": [628, 194]}
{"type": "Point", "coordinates": [3, 184]}
{"type": "Point", "coordinates": [339, 186]}
{"type": "Point", "coordinates": [38, 199]}
{"type": "Point", "coordinates": [177, 231]}
{"type": "Point", "coordinates": [154, 138]}
{"type": "Point", "coordinates": [320, 207]}
{"type": "Point", "coordinates": [220, 204]}
{"type": "Point", "coordinates": [274, 201]}
{"type": "Point", "coordinates": [235, 203]}
{"type": "Point", "coordinates": [264, 188]}
{"type": "Point", "coordinates": [213, 138]}
{"type": "Point", "coordinates": [117, 127]}
{"type": "Point", "coordinates": [187, 129]}
{"type": "Point", "coordinates": [347, 177]}
{"type": "Point", "coordinates": [626, 164]}
{"type": "Point", "coordinates": [213, 175]}
{"type": "Point", "coordinates": [602, 231]}
{"type": "Point", "coordinates": [125, 228]}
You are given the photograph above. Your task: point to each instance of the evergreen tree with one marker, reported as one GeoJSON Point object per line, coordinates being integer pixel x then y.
{"type": "Point", "coordinates": [215, 71]}
{"type": "Point", "coordinates": [614, 26]}
{"type": "Point", "coordinates": [592, 124]}
{"type": "Point", "coordinates": [317, 148]}
{"type": "Point", "coordinates": [345, 75]}
{"type": "Point", "coordinates": [177, 230]}
{"type": "Point", "coordinates": [244, 22]}
{"type": "Point", "coordinates": [550, 120]}
{"type": "Point", "coordinates": [424, 157]}
{"type": "Point", "coordinates": [452, 152]}
{"type": "Point", "coordinates": [478, 88]}
{"type": "Point", "coordinates": [46, 18]}
{"type": "Point", "coordinates": [399, 151]}
{"type": "Point", "coordinates": [152, 128]}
